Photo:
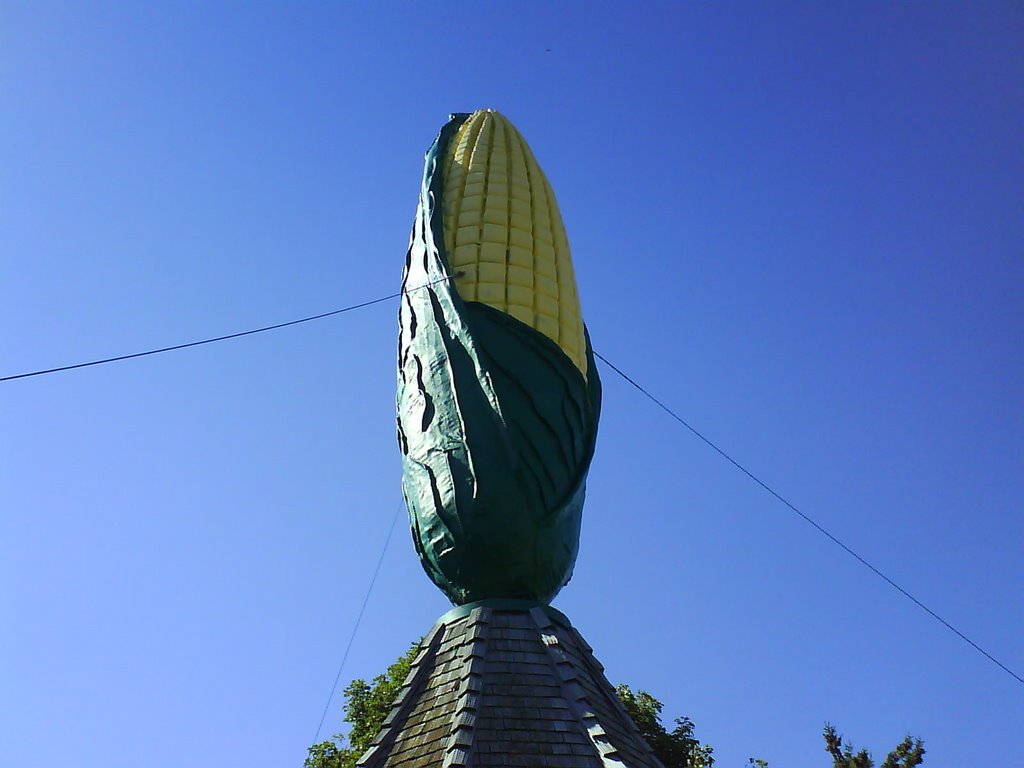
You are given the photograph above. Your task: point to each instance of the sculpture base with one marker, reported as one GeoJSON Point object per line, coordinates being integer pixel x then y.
{"type": "Point", "coordinates": [504, 683]}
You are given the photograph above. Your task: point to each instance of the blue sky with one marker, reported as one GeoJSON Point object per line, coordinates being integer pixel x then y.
{"type": "Point", "coordinates": [799, 225]}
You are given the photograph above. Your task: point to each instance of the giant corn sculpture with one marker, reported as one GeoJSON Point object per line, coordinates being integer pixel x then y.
{"type": "Point", "coordinates": [498, 394]}
{"type": "Point", "coordinates": [498, 402]}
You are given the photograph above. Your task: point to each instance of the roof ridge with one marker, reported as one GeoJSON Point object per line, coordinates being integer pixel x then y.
{"type": "Point", "coordinates": [418, 674]}
{"type": "Point", "coordinates": [460, 743]}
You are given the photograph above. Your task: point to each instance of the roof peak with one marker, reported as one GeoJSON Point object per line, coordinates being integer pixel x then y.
{"type": "Point", "coordinates": [502, 685]}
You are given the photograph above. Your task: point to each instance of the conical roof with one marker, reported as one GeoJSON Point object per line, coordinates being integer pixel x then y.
{"type": "Point", "coordinates": [502, 683]}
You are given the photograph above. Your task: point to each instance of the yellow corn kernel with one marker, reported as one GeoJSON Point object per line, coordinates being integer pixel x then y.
{"type": "Point", "coordinates": [503, 231]}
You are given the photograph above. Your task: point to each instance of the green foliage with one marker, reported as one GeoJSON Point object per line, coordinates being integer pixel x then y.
{"type": "Point", "coordinates": [907, 754]}
{"type": "Point", "coordinates": [366, 707]}
{"type": "Point", "coordinates": [329, 754]}
{"type": "Point", "coordinates": [677, 748]}
{"type": "Point", "coordinates": [368, 704]}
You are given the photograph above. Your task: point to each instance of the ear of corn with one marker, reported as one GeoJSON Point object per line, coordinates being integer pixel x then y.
{"type": "Point", "coordinates": [504, 234]}
{"type": "Point", "coordinates": [498, 394]}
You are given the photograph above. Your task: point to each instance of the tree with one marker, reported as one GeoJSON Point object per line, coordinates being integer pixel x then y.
{"type": "Point", "coordinates": [366, 707]}
{"type": "Point", "coordinates": [368, 704]}
{"type": "Point", "coordinates": [907, 754]}
{"type": "Point", "coordinates": [677, 748]}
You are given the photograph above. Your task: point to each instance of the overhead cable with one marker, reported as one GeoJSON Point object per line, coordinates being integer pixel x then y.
{"type": "Point", "coordinates": [238, 335]}
{"type": "Point", "coordinates": [359, 618]}
{"type": "Point", "coordinates": [846, 548]}
{"type": "Point", "coordinates": [809, 520]}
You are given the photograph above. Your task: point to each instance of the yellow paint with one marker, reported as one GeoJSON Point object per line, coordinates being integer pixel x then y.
{"type": "Point", "coordinates": [503, 230]}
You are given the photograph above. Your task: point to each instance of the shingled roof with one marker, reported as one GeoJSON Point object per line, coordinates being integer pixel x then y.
{"type": "Point", "coordinates": [500, 684]}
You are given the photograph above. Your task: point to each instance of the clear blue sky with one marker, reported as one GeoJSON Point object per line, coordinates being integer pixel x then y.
{"type": "Point", "coordinates": [800, 225]}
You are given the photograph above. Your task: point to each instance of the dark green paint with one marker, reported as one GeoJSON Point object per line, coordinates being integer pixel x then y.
{"type": "Point", "coordinates": [496, 425]}
{"type": "Point", "coordinates": [461, 611]}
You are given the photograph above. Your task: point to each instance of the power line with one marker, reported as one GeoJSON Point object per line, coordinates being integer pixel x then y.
{"type": "Point", "coordinates": [226, 337]}
{"type": "Point", "coordinates": [621, 373]}
{"type": "Point", "coordinates": [810, 521]}
{"type": "Point", "coordinates": [359, 618]}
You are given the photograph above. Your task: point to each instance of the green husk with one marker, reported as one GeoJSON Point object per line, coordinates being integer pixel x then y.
{"type": "Point", "coordinates": [497, 428]}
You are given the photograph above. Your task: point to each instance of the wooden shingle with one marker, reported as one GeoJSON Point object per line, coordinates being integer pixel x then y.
{"type": "Point", "coordinates": [504, 686]}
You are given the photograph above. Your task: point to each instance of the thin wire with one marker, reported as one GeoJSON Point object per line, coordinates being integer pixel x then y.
{"type": "Point", "coordinates": [807, 519]}
{"type": "Point", "coordinates": [607, 362]}
{"type": "Point", "coordinates": [228, 336]}
{"type": "Point", "coordinates": [359, 618]}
